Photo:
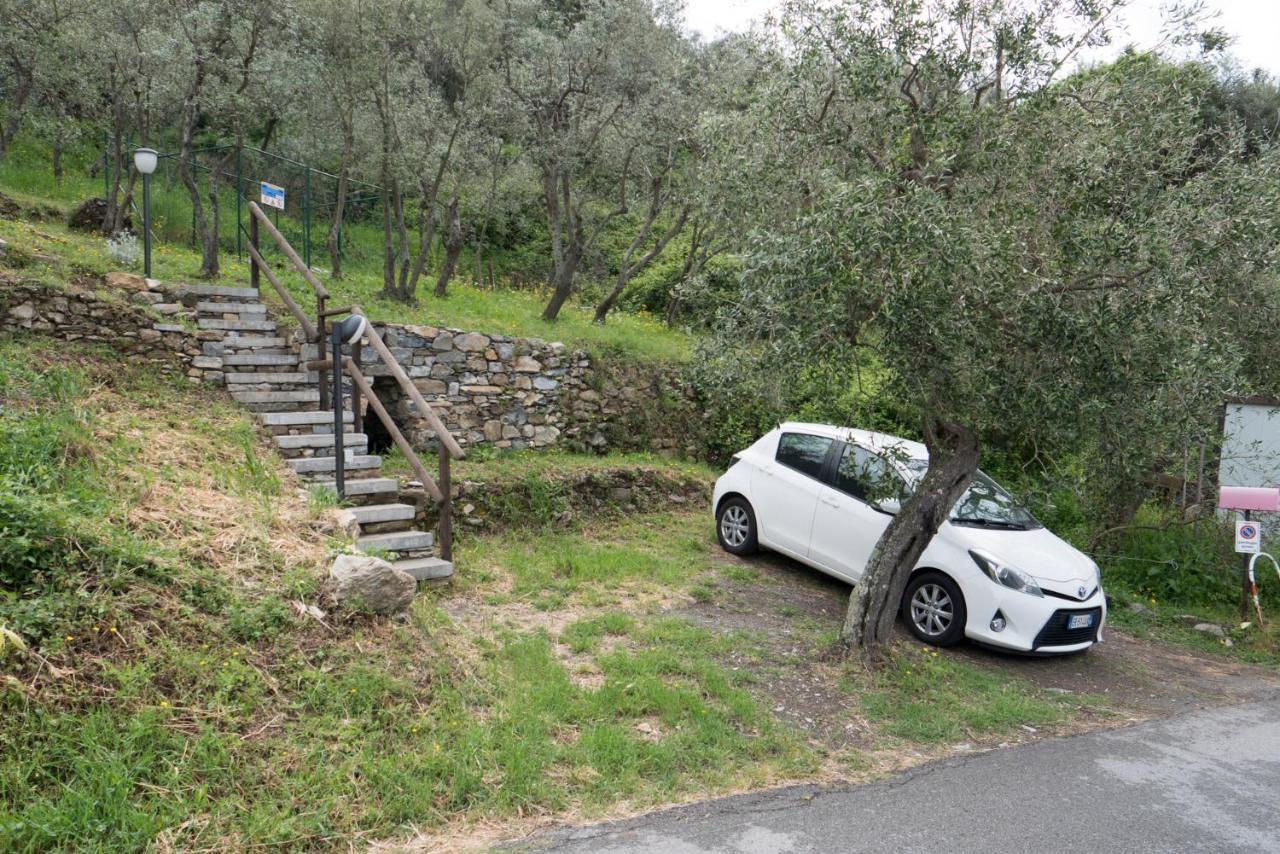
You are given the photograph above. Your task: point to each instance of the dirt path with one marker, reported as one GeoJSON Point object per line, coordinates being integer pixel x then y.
{"type": "Point", "coordinates": [794, 612]}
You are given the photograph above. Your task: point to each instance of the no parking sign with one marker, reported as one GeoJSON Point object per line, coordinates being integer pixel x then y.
{"type": "Point", "coordinates": [1248, 538]}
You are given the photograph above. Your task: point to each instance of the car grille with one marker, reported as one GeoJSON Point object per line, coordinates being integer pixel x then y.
{"type": "Point", "coordinates": [1056, 633]}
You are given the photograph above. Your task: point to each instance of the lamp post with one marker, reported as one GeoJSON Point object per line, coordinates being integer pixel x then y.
{"type": "Point", "coordinates": [348, 331]}
{"type": "Point", "coordinates": [144, 160]}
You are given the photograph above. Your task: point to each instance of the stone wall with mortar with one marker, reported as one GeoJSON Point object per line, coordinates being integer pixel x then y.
{"type": "Point", "coordinates": [526, 393]}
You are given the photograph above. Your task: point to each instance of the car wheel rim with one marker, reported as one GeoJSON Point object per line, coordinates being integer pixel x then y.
{"type": "Point", "coordinates": [931, 609]}
{"type": "Point", "coordinates": [734, 526]}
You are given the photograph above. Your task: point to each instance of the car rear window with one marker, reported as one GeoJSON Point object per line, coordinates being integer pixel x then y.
{"type": "Point", "coordinates": [803, 452]}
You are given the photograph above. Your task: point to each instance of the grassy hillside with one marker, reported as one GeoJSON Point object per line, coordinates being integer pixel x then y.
{"type": "Point", "coordinates": [26, 178]}
{"type": "Point", "coordinates": [172, 696]}
{"type": "Point", "coordinates": [176, 694]}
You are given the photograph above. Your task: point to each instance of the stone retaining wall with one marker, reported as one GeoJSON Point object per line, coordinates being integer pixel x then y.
{"type": "Point", "coordinates": [502, 502]}
{"type": "Point", "coordinates": [525, 393]}
{"type": "Point", "coordinates": [489, 389]}
{"type": "Point", "coordinates": [124, 312]}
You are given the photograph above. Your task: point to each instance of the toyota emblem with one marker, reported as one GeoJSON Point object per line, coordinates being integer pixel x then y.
{"type": "Point", "coordinates": [1080, 591]}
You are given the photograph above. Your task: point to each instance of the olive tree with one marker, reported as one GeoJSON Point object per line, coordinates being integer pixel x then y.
{"type": "Point", "coordinates": [1017, 251]}
{"type": "Point", "coordinates": [578, 73]}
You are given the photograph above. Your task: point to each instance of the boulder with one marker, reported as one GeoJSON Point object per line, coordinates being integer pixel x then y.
{"type": "Point", "coordinates": [1211, 629]}
{"type": "Point", "coordinates": [371, 584]}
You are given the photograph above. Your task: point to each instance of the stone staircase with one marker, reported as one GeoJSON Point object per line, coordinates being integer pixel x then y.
{"type": "Point", "coordinates": [264, 372]}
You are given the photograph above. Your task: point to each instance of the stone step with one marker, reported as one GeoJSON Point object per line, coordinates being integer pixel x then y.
{"type": "Point", "coordinates": [231, 307]}
{"type": "Point", "coordinates": [253, 342]}
{"type": "Point", "coordinates": [357, 462]}
{"type": "Point", "coordinates": [397, 541]}
{"type": "Point", "coordinates": [363, 485]}
{"type": "Point", "coordinates": [237, 325]}
{"type": "Point", "coordinates": [265, 377]}
{"type": "Point", "coordinates": [370, 514]}
{"type": "Point", "coordinates": [310, 416]}
{"type": "Point", "coordinates": [261, 360]}
{"type": "Point", "coordinates": [320, 440]}
{"type": "Point", "coordinates": [426, 568]}
{"type": "Point", "coordinates": [304, 395]}
{"type": "Point", "coordinates": [219, 291]}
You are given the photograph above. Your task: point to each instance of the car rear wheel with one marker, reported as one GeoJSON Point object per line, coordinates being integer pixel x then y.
{"type": "Point", "coordinates": [736, 527]}
{"type": "Point", "coordinates": [933, 609]}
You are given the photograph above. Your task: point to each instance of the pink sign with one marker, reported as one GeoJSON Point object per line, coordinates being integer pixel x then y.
{"type": "Point", "coordinates": [1264, 498]}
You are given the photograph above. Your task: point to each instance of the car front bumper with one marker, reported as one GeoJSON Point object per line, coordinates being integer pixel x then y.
{"type": "Point", "coordinates": [1032, 624]}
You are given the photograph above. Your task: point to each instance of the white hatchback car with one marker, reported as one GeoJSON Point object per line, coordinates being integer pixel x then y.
{"type": "Point", "coordinates": [992, 574]}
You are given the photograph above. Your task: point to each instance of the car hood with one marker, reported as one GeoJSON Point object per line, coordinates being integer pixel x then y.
{"type": "Point", "coordinates": [1039, 551]}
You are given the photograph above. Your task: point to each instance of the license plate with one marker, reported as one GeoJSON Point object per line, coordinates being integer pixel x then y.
{"type": "Point", "coordinates": [1079, 621]}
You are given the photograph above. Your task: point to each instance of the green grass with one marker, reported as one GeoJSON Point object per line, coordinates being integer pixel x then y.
{"type": "Point", "coordinates": [203, 713]}
{"type": "Point", "coordinates": [25, 176]}
{"type": "Point", "coordinates": [925, 697]}
{"type": "Point", "coordinates": [655, 551]}
{"type": "Point", "coordinates": [152, 548]}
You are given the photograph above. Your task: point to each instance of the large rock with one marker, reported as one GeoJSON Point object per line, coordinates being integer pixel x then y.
{"type": "Point", "coordinates": [371, 584]}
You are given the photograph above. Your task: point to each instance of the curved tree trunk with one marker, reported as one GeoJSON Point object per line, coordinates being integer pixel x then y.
{"type": "Point", "coordinates": [873, 604]}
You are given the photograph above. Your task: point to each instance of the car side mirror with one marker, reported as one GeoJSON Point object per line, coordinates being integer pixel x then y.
{"type": "Point", "coordinates": [888, 505]}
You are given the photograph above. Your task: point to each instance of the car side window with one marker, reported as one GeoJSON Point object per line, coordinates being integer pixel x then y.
{"type": "Point", "coordinates": [803, 452]}
{"type": "Point", "coordinates": [866, 476]}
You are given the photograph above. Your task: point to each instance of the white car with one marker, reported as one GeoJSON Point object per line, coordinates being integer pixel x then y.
{"type": "Point", "coordinates": [824, 495]}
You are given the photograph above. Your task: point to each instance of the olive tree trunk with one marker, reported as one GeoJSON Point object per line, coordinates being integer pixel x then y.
{"type": "Point", "coordinates": [874, 602]}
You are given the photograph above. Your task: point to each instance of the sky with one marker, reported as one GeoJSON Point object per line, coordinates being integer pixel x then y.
{"type": "Point", "coordinates": [1254, 24]}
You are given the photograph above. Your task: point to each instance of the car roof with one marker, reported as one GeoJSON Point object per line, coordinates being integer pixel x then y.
{"type": "Point", "coordinates": [869, 439]}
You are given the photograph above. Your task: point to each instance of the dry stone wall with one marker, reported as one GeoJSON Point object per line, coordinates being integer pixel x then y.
{"type": "Point", "coordinates": [526, 393]}
{"type": "Point", "coordinates": [489, 389]}
{"type": "Point", "coordinates": [142, 318]}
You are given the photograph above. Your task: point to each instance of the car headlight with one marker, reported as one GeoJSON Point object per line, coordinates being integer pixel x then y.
{"type": "Point", "coordinates": [1097, 574]}
{"type": "Point", "coordinates": [1004, 574]}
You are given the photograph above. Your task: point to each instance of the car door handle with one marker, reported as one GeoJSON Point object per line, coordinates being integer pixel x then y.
{"type": "Point", "coordinates": [767, 470]}
{"type": "Point", "coordinates": [830, 502]}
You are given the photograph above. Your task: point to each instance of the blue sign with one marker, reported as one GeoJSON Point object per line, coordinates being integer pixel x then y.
{"type": "Point", "coordinates": [271, 195]}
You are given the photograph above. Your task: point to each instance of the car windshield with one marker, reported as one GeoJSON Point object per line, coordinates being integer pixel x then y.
{"type": "Point", "coordinates": [984, 503]}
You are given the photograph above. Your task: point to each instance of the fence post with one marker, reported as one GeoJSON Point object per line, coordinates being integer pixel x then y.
{"type": "Point", "coordinates": [446, 506]}
{"type": "Point", "coordinates": [239, 197]}
{"type": "Point", "coordinates": [306, 217]}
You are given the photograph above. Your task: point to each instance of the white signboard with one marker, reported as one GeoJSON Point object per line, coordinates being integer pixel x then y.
{"type": "Point", "coordinates": [1248, 538]}
{"type": "Point", "coordinates": [272, 196]}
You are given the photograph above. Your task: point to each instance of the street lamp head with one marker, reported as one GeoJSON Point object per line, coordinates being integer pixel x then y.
{"type": "Point", "coordinates": [350, 330]}
{"type": "Point", "coordinates": [145, 159]}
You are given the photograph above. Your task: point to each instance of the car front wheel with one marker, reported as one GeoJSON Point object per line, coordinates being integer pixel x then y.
{"type": "Point", "coordinates": [933, 609]}
{"type": "Point", "coordinates": [736, 527]}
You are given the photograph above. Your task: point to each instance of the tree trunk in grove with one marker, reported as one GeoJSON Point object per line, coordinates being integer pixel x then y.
{"type": "Point", "coordinates": [333, 241]}
{"type": "Point", "coordinates": [874, 602]}
{"type": "Point", "coordinates": [452, 247]}
{"type": "Point", "coordinates": [561, 272]}
{"type": "Point", "coordinates": [627, 270]}
{"type": "Point", "coordinates": [17, 109]}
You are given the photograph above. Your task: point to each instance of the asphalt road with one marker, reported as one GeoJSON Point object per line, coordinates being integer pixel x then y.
{"type": "Point", "coordinates": [1206, 781]}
